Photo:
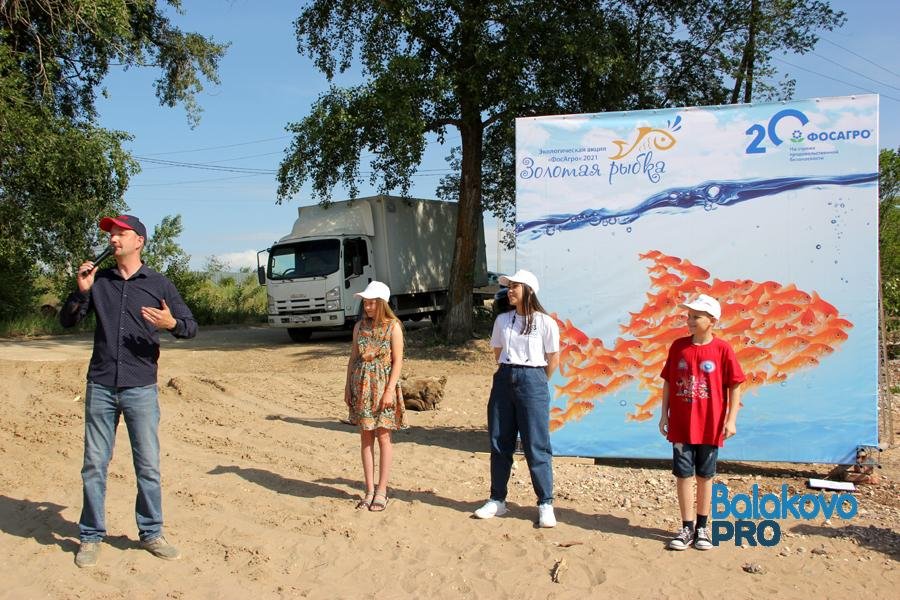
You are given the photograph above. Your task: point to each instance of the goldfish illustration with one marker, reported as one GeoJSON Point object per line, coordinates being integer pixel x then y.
{"type": "Point", "coordinates": [793, 296]}
{"type": "Point", "coordinates": [691, 271]}
{"type": "Point", "coordinates": [578, 410]}
{"type": "Point", "coordinates": [660, 138]}
{"type": "Point", "coordinates": [595, 371]}
{"type": "Point", "coordinates": [808, 318]}
{"type": "Point", "coordinates": [641, 416]}
{"type": "Point", "coordinates": [752, 355]}
{"type": "Point", "coordinates": [789, 345]}
{"type": "Point", "coordinates": [668, 280]}
{"type": "Point", "coordinates": [575, 385]}
{"type": "Point", "coordinates": [798, 362]}
{"type": "Point", "coordinates": [830, 336]}
{"type": "Point", "coordinates": [775, 329]}
{"type": "Point", "coordinates": [737, 327]}
{"type": "Point", "coordinates": [818, 350]}
{"type": "Point", "coordinates": [820, 306]}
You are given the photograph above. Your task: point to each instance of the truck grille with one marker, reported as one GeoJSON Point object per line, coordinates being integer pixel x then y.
{"type": "Point", "coordinates": [299, 307]}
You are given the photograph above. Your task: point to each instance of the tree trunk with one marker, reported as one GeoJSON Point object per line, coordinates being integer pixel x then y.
{"type": "Point", "coordinates": [458, 325]}
{"type": "Point", "coordinates": [751, 50]}
{"type": "Point", "coordinates": [745, 71]}
{"type": "Point", "coordinates": [739, 79]}
{"type": "Point", "coordinates": [469, 79]}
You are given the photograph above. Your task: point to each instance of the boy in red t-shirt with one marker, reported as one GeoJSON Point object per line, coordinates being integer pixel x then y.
{"type": "Point", "coordinates": [701, 376]}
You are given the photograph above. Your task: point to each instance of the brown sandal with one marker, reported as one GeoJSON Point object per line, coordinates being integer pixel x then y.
{"type": "Point", "coordinates": [366, 501]}
{"type": "Point", "coordinates": [378, 505]}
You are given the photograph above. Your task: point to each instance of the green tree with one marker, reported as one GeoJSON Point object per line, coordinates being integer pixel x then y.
{"type": "Point", "coordinates": [475, 66]}
{"type": "Point", "coordinates": [754, 35]}
{"type": "Point", "coordinates": [163, 253]}
{"type": "Point", "coordinates": [59, 171]}
{"type": "Point", "coordinates": [889, 228]}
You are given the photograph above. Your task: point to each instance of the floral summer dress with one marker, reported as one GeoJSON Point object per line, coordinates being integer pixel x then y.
{"type": "Point", "coordinates": [369, 376]}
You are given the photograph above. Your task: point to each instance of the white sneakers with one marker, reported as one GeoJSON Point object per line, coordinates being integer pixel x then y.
{"type": "Point", "coordinates": [546, 518]}
{"type": "Point", "coordinates": [494, 508]}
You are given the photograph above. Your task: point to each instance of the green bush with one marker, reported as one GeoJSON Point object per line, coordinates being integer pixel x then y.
{"type": "Point", "coordinates": [225, 300]}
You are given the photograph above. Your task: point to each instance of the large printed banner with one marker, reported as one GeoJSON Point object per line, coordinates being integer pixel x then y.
{"type": "Point", "coordinates": [770, 208]}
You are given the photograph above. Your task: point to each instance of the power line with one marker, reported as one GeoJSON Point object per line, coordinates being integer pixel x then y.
{"type": "Point", "coordinates": [205, 166]}
{"type": "Point", "coordinates": [260, 141]}
{"type": "Point", "coordinates": [169, 164]}
{"type": "Point", "coordinates": [282, 137]}
{"type": "Point", "coordinates": [213, 166]}
{"type": "Point", "coordinates": [855, 72]}
{"type": "Point", "coordinates": [245, 172]}
{"type": "Point", "coordinates": [211, 180]}
{"type": "Point", "coordinates": [834, 79]}
{"type": "Point", "coordinates": [861, 57]}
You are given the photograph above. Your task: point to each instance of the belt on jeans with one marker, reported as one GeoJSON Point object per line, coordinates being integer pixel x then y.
{"type": "Point", "coordinates": [512, 366]}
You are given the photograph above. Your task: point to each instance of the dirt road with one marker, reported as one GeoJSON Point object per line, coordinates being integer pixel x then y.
{"type": "Point", "coordinates": [260, 479]}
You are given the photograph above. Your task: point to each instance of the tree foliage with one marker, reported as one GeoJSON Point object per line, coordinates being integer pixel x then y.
{"type": "Point", "coordinates": [474, 66]}
{"type": "Point", "coordinates": [756, 31]}
{"type": "Point", "coordinates": [889, 228]}
{"type": "Point", "coordinates": [59, 171]}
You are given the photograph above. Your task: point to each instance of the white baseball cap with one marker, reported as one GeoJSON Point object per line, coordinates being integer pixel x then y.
{"type": "Point", "coordinates": [706, 304]}
{"type": "Point", "coordinates": [375, 289]}
{"type": "Point", "coordinates": [521, 276]}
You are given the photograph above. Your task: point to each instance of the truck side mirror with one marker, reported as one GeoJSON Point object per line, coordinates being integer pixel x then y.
{"type": "Point", "coordinates": [261, 275]}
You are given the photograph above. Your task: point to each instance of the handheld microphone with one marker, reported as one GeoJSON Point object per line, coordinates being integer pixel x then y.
{"type": "Point", "coordinates": [100, 257]}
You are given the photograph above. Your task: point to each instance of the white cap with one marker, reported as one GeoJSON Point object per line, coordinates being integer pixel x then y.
{"type": "Point", "coordinates": [706, 304]}
{"type": "Point", "coordinates": [375, 289]}
{"type": "Point", "coordinates": [521, 276]}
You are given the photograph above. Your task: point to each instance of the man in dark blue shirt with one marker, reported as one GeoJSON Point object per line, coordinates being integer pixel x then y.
{"type": "Point", "coordinates": [132, 303]}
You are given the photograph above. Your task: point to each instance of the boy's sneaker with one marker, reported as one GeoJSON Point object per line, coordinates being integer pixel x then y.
{"type": "Point", "coordinates": [88, 554]}
{"type": "Point", "coordinates": [546, 518]}
{"type": "Point", "coordinates": [701, 539]}
{"type": "Point", "coordinates": [683, 540]}
{"type": "Point", "coordinates": [160, 548]}
{"type": "Point", "coordinates": [492, 508]}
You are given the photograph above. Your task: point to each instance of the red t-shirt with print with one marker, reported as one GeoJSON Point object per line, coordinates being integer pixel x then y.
{"type": "Point", "coordinates": [699, 377]}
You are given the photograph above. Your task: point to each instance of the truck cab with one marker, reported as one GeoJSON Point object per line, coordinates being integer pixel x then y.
{"type": "Point", "coordinates": [311, 283]}
{"type": "Point", "coordinates": [334, 251]}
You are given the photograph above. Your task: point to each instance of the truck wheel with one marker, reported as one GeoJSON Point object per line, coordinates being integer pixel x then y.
{"type": "Point", "coordinates": [299, 335]}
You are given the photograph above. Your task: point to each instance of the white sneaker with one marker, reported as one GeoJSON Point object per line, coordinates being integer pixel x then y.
{"type": "Point", "coordinates": [546, 518]}
{"type": "Point", "coordinates": [701, 539]}
{"type": "Point", "coordinates": [492, 508]}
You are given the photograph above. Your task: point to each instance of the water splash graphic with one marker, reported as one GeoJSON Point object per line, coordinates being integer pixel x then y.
{"type": "Point", "coordinates": [707, 195]}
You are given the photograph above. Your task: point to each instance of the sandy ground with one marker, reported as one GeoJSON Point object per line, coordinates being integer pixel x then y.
{"type": "Point", "coordinates": [260, 480]}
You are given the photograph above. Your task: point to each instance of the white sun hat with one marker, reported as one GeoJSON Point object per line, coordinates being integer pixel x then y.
{"type": "Point", "coordinates": [706, 304]}
{"type": "Point", "coordinates": [375, 289]}
{"type": "Point", "coordinates": [521, 276]}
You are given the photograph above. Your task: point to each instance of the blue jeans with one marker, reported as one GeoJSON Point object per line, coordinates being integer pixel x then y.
{"type": "Point", "coordinates": [102, 407]}
{"type": "Point", "coordinates": [520, 404]}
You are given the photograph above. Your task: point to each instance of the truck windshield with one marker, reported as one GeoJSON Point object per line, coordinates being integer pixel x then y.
{"type": "Point", "coordinates": [315, 258]}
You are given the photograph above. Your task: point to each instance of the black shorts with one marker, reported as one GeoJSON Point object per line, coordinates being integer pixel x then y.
{"type": "Point", "coordinates": [694, 459]}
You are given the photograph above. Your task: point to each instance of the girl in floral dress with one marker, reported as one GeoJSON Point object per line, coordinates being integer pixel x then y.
{"type": "Point", "coordinates": [372, 393]}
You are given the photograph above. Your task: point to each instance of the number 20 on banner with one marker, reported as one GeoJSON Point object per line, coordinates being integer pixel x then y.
{"type": "Point", "coordinates": [759, 132]}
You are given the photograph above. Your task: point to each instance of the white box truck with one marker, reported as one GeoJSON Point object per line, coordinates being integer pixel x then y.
{"type": "Point", "coordinates": [334, 251]}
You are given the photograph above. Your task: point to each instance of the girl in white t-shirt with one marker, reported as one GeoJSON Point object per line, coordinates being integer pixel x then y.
{"type": "Point", "coordinates": [526, 345]}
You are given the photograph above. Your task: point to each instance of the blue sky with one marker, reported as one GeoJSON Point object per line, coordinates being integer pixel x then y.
{"type": "Point", "coordinates": [266, 84]}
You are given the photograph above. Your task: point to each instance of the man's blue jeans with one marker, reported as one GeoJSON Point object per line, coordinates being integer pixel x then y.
{"type": "Point", "coordinates": [520, 404]}
{"type": "Point", "coordinates": [102, 407]}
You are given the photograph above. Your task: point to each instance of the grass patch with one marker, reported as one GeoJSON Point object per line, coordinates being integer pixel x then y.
{"type": "Point", "coordinates": [37, 325]}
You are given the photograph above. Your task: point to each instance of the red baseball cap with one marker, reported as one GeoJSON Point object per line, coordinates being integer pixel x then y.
{"type": "Point", "coordinates": [125, 222]}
